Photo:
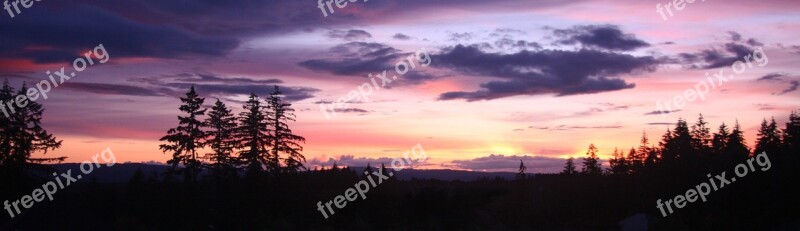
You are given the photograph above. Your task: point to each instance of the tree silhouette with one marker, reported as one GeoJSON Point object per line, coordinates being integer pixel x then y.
{"type": "Point", "coordinates": [255, 136]}
{"type": "Point", "coordinates": [701, 137]}
{"type": "Point", "coordinates": [28, 134]}
{"type": "Point", "coordinates": [618, 163]}
{"type": "Point", "coordinates": [769, 138]}
{"type": "Point", "coordinates": [284, 141]}
{"type": "Point", "coordinates": [569, 167]}
{"type": "Point", "coordinates": [367, 171]}
{"type": "Point", "coordinates": [8, 130]}
{"type": "Point", "coordinates": [591, 163]}
{"type": "Point", "coordinates": [720, 141]}
{"type": "Point", "coordinates": [791, 134]}
{"type": "Point", "coordinates": [521, 173]}
{"type": "Point", "coordinates": [222, 140]}
{"type": "Point", "coordinates": [185, 139]}
{"type": "Point", "coordinates": [736, 148]}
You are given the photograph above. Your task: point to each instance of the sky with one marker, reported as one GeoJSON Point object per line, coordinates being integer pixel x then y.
{"type": "Point", "coordinates": [493, 82]}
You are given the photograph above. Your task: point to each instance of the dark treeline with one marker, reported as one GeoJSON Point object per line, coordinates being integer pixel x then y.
{"type": "Point", "coordinates": [258, 141]}
{"type": "Point", "coordinates": [22, 134]}
{"type": "Point", "coordinates": [246, 172]}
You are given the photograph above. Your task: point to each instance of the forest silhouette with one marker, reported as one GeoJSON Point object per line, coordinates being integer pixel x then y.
{"type": "Point", "coordinates": [247, 172]}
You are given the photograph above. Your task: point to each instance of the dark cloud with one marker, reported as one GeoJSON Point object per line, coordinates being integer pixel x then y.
{"type": "Point", "coordinates": [735, 36]}
{"type": "Point", "coordinates": [535, 164]}
{"type": "Point", "coordinates": [569, 128]}
{"type": "Point", "coordinates": [506, 43]}
{"type": "Point", "coordinates": [773, 77]}
{"type": "Point", "coordinates": [217, 86]}
{"type": "Point", "coordinates": [730, 52]}
{"type": "Point", "coordinates": [660, 112]}
{"type": "Point", "coordinates": [350, 35]}
{"type": "Point", "coordinates": [765, 107]}
{"type": "Point", "coordinates": [400, 36]}
{"type": "Point", "coordinates": [781, 78]}
{"type": "Point", "coordinates": [526, 72]}
{"type": "Point", "coordinates": [60, 35]}
{"type": "Point", "coordinates": [458, 37]}
{"type": "Point", "coordinates": [659, 123]}
{"type": "Point", "coordinates": [356, 59]}
{"type": "Point", "coordinates": [111, 89]}
{"type": "Point", "coordinates": [350, 160]}
{"type": "Point", "coordinates": [351, 110]}
{"type": "Point", "coordinates": [211, 78]}
{"type": "Point", "coordinates": [793, 87]}
{"type": "Point", "coordinates": [608, 37]}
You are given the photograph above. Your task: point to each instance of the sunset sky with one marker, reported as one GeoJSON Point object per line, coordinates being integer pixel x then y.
{"type": "Point", "coordinates": [508, 80]}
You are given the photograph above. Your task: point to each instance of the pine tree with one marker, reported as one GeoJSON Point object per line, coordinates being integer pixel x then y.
{"type": "Point", "coordinates": [769, 138]}
{"type": "Point", "coordinates": [185, 139]}
{"type": "Point", "coordinates": [222, 140]}
{"type": "Point", "coordinates": [720, 141]}
{"type": "Point", "coordinates": [701, 137]}
{"type": "Point", "coordinates": [682, 147]}
{"type": "Point", "coordinates": [569, 167]}
{"type": "Point", "coordinates": [618, 163]}
{"type": "Point", "coordinates": [386, 171]}
{"type": "Point", "coordinates": [521, 171]}
{"type": "Point", "coordinates": [632, 155]}
{"type": "Point", "coordinates": [367, 171]}
{"type": "Point", "coordinates": [284, 141]}
{"type": "Point", "coordinates": [665, 143]}
{"type": "Point", "coordinates": [591, 163]}
{"type": "Point", "coordinates": [8, 130]}
{"type": "Point", "coordinates": [737, 149]}
{"type": "Point", "coordinates": [255, 136]}
{"type": "Point", "coordinates": [791, 134]}
{"type": "Point", "coordinates": [641, 154]}
{"type": "Point", "coordinates": [29, 135]}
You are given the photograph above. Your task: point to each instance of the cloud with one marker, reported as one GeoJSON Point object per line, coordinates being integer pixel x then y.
{"type": "Point", "coordinates": [507, 43]}
{"type": "Point", "coordinates": [61, 35]}
{"type": "Point", "coordinates": [558, 72]}
{"type": "Point", "coordinates": [730, 52]}
{"type": "Point", "coordinates": [660, 112]}
{"type": "Point", "coordinates": [793, 87]}
{"type": "Point", "coordinates": [400, 36]}
{"type": "Point", "coordinates": [350, 160]}
{"type": "Point", "coordinates": [350, 35]}
{"type": "Point", "coordinates": [608, 37]}
{"type": "Point", "coordinates": [781, 78]}
{"type": "Point", "coordinates": [350, 110]}
{"type": "Point", "coordinates": [568, 128]}
{"type": "Point", "coordinates": [212, 78]}
{"type": "Point", "coordinates": [356, 59]}
{"type": "Point", "coordinates": [111, 89]}
{"type": "Point", "coordinates": [773, 77]}
{"type": "Point", "coordinates": [765, 107]}
{"type": "Point", "coordinates": [534, 164]}
{"type": "Point", "coordinates": [659, 123]}
{"type": "Point", "coordinates": [216, 86]}
{"type": "Point", "coordinates": [457, 37]}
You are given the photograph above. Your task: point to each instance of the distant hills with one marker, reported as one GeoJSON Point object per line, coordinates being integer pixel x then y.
{"type": "Point", "coordinates": [122, 173]}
